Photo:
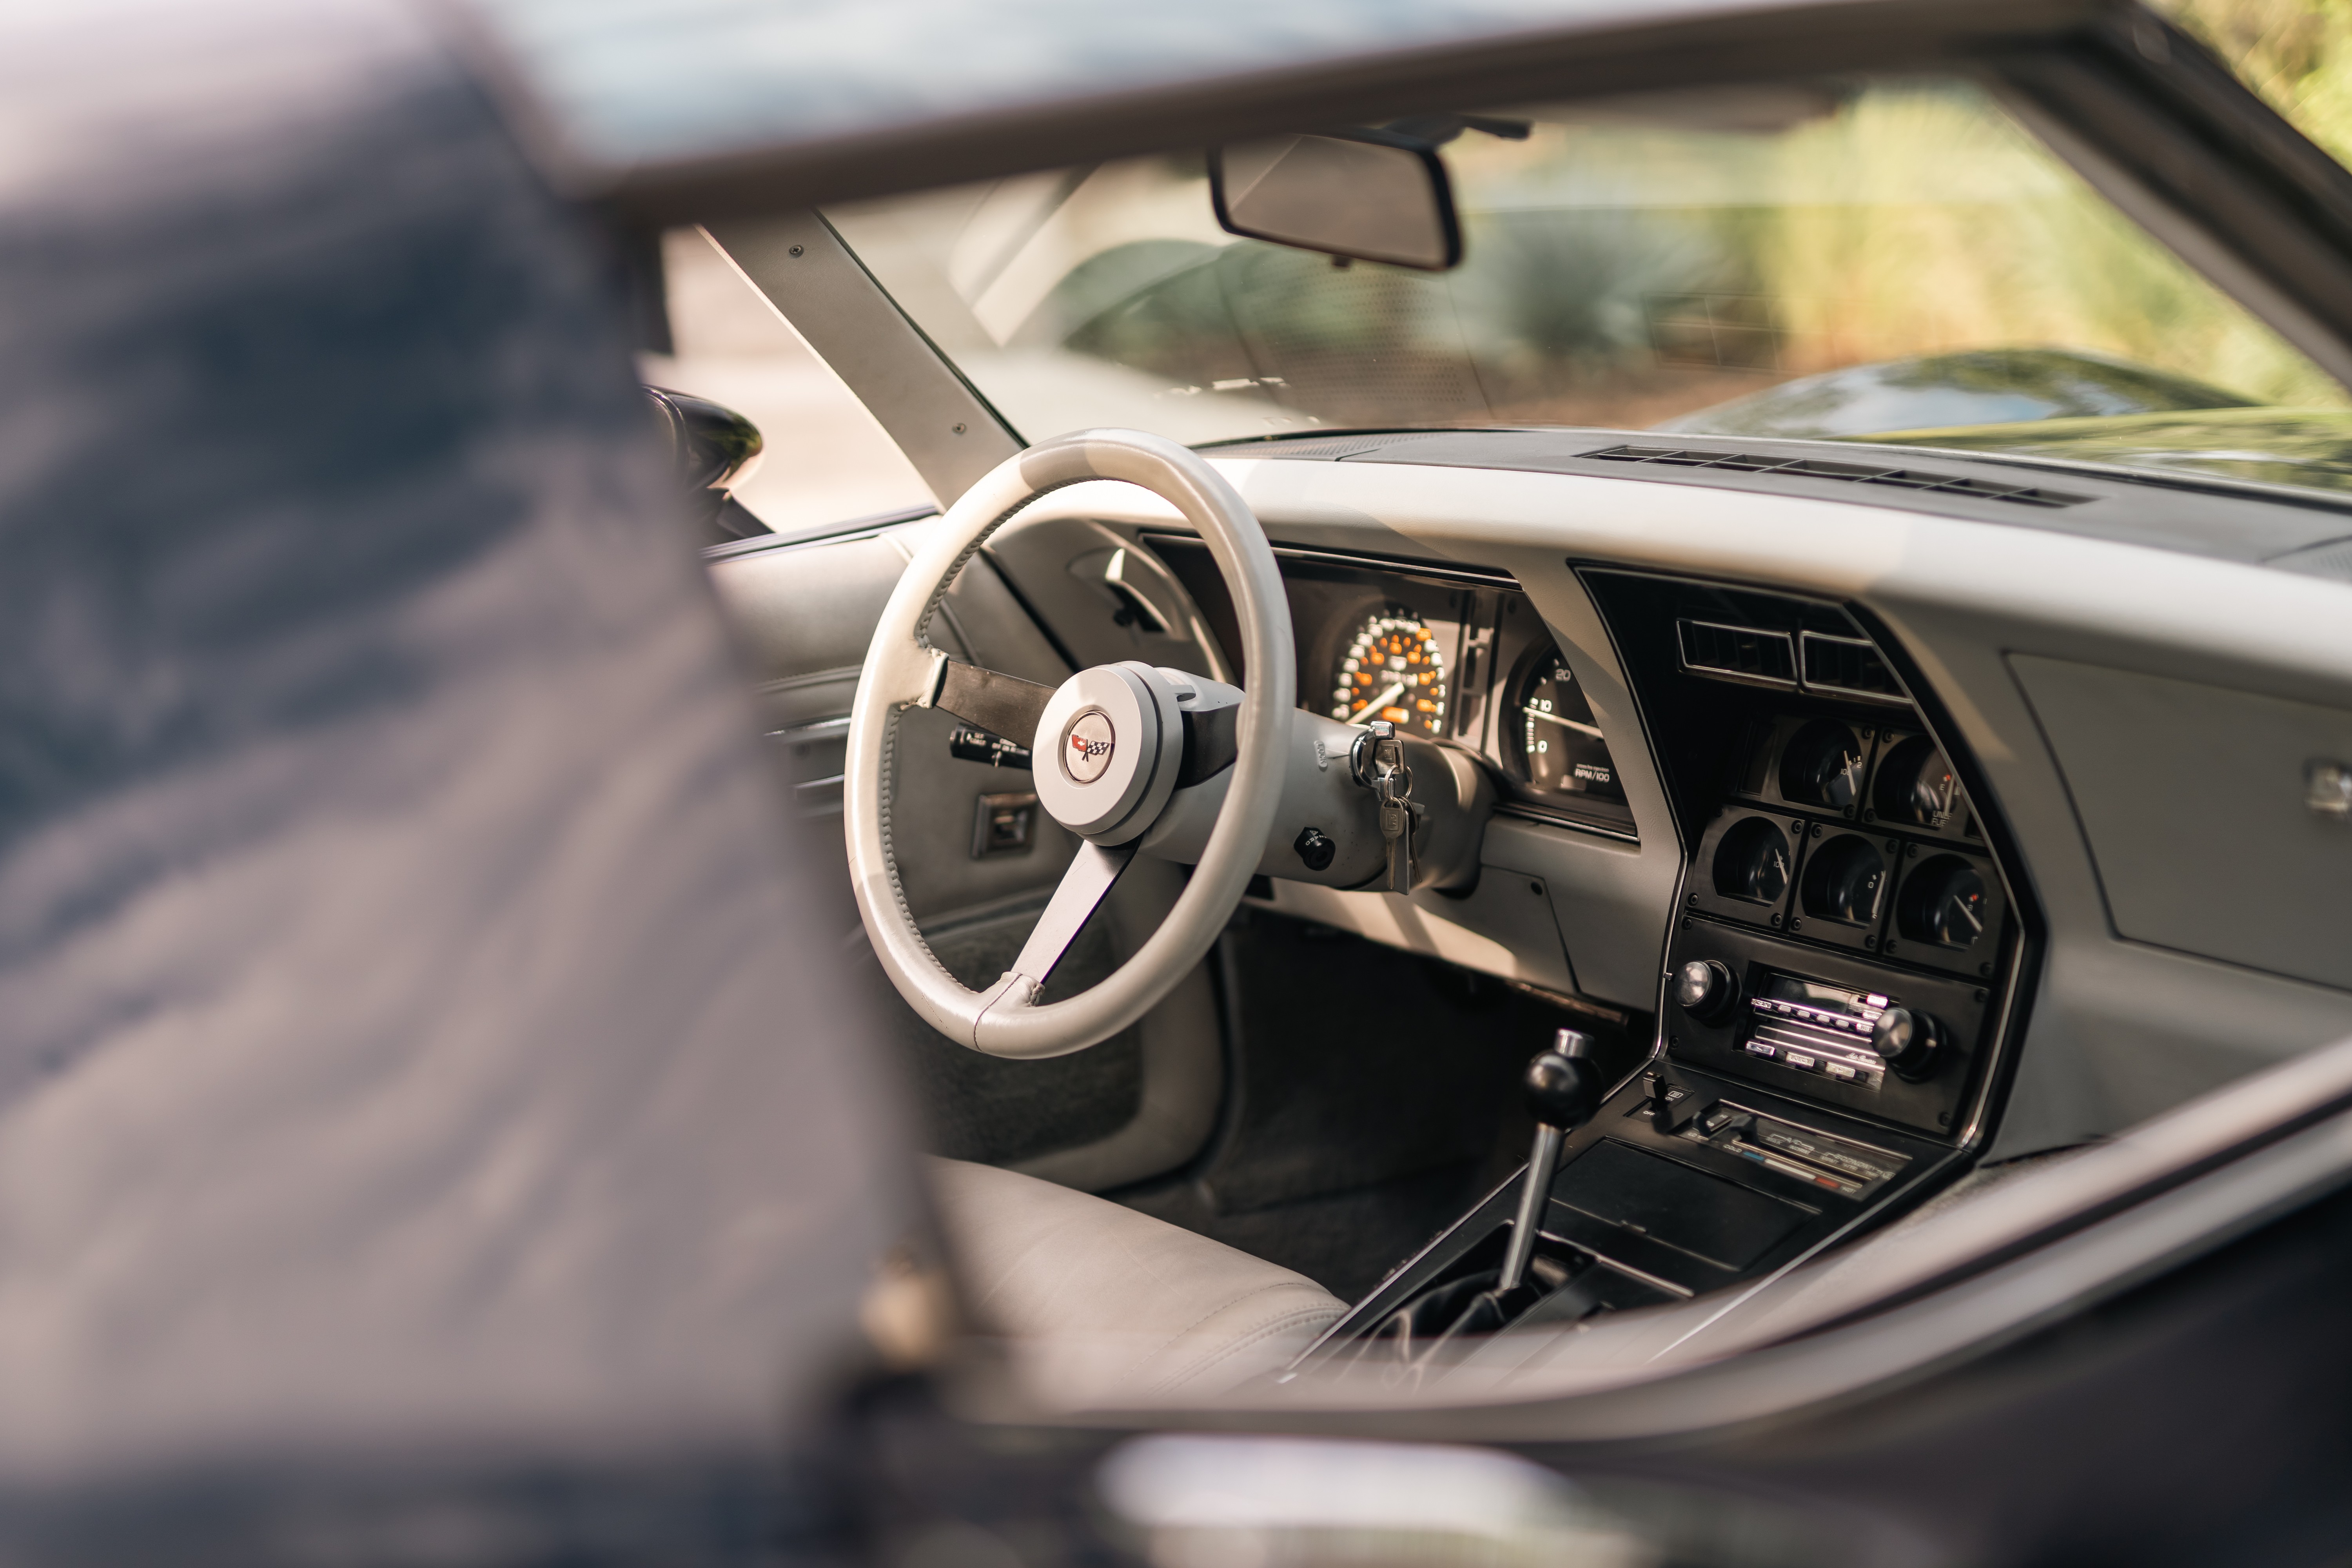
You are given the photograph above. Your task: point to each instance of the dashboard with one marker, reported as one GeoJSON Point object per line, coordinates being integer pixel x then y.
{"type": "Point", "coordinates": [1842, 955]}
{"type": "Point", "coordinates": [1838, 873]}
{"type": "Point", "coordinates": [1843, 931]}
{"type": "Point", "coordinates": [1891, 820]}
{"type": "Point", "coordinates": [1812, 791]}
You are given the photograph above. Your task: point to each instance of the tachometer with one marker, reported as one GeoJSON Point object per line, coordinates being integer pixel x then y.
{"type": "Point", "coordinates": [1561, 747]}
{"type": "Point", "coordinates": [1392, 669]}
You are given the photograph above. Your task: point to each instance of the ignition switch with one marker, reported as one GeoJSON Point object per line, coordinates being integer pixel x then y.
{"type": "Point", "coordinates": [1316, 848]}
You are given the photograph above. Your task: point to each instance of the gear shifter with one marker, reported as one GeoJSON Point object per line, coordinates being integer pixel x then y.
{"type": "Point", "coordinates": [1562, 1089]}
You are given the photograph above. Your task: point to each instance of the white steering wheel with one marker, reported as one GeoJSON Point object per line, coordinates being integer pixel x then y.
{"type": "Point", "coordinates": [1107, 746]}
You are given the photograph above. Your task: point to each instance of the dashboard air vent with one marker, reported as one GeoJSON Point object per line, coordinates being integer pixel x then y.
{"type": "Point", "coordinates": [1848, 473]}
{"type": "Point", "coordinates": [1742, 652]}
{"type": "Point", "coordinates": [1848, 667]}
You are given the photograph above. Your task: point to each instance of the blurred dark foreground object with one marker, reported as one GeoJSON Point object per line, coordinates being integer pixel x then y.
{"type": "Point", "coordinates": [711, 448]}
{"type": "Point", "coordinates": [433, 1123]}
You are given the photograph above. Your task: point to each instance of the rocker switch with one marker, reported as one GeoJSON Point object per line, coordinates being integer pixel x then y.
{"type": "Point", "coordinates": [1004, 825]}
{"type": "Point", "coordinates": [1669, 1104]}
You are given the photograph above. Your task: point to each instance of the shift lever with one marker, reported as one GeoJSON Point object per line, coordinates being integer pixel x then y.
{"type": "Point", "coordinates": [1563, 1090]}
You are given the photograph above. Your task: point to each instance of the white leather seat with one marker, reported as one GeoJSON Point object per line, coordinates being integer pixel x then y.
{"type": "Point", "coordinates": [1104, 1305]}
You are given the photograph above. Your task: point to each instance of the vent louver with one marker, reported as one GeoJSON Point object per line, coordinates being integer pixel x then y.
{"type": "Point", "coordinates": [1847, 473]}
{"type": "Point", "coordinates": [1739, 651]}
{"type": "Point", "coordinates": [1848, 667]}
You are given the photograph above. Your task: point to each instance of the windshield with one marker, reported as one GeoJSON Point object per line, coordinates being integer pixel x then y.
{"type": "Point", "coordinates": [1889, 259]}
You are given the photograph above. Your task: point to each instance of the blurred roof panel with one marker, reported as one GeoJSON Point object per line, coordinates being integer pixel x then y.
{"type": "Point", "coordinates": [643, 81]}
{"type": "Point", "coordinates": [689, 105]}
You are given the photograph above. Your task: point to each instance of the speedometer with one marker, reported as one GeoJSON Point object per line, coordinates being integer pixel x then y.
{"type": "Point", "coordinates": [1393, 669]}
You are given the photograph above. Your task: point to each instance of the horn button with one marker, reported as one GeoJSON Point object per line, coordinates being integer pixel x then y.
{"type": "Point", "coordinates": [1115, 735]}
{"type": "Point", "coordinates": [1088, 742]}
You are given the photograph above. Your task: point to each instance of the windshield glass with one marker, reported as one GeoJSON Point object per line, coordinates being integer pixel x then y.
{"type": "Point", "coordinates": [1886, 259]}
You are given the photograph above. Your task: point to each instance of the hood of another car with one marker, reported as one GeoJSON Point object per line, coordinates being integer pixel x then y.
{"type": "Point", "coordinates": [2310, 448]}
{"type": "Point", "coordinates": [2001, 386]}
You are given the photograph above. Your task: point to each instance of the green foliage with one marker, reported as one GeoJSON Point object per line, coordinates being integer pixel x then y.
{"type": "Point", "coordinates": [2296, 53]}
{"type": "Point", "coordinates": [2002, 246]}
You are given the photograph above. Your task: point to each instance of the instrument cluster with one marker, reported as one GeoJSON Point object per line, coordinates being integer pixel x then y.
{"type": "Point", "coordinates": [1464, 660]}
{"type": "Point", "coordinates": [1448, 654]}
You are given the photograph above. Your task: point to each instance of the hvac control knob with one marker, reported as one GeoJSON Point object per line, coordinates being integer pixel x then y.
{"type": "Point", "coordinates": [1908, 1041]}
{"type": "Point", "coordinates": [1705, 988]}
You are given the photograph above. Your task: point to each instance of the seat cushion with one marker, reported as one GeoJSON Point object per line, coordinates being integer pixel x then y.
{"type": "Point", "coordinates": [1104, 1305]}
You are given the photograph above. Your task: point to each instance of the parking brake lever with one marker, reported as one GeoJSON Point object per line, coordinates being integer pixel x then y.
{"type": "Point", "coordinates": [1562, 1089]}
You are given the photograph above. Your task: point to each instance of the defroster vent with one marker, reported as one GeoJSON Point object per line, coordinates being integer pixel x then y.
{"type": "Point", "coordinates": [1846, 473]}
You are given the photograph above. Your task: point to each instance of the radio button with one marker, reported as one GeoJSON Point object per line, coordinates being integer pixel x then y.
{"type": "Point", "coordinates": [1801, 1061]}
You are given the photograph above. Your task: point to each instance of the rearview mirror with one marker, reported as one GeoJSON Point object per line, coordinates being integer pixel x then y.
{"type": "Point", "coordinates": [1370, 195]}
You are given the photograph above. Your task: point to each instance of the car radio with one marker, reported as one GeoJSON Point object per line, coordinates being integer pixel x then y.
{"type": "Point", "coordinates": [1811, 1026]}
{"type": "Point", "coordinates": [1878, 1037]}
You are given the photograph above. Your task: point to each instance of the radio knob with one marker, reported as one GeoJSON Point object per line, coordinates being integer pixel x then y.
{"type": "Point", "coordinates": [1705, 988]}
{"type": "Point", "coordinates": [1908, 1041]}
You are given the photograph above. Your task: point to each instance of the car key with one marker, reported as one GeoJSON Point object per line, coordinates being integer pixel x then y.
{"type": "Point", "coordinates": [1392, 785]}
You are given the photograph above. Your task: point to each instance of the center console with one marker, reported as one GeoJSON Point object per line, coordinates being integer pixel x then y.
{"type": "Point", "coordinates": [1839, 981]}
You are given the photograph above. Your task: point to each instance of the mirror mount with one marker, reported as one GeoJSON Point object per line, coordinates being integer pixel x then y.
{"type": "Point", "coordinates": [1437, 129]}
{"type": "Point", "coordinates": [1354, 195]}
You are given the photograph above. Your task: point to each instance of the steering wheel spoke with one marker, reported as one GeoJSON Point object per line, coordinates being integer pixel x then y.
{"type": "Point", "coordinates": [1088, 882]}
{"type": "Point", "coordinates": [1002, 704]}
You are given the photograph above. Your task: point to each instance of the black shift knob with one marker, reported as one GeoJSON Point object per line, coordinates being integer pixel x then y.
{"type": "Point", "coordinates": [1561, 1088]}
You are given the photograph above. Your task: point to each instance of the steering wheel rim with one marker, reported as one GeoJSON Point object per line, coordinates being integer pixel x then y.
{"type": "Point", "coordinates": [1005, 1020]}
